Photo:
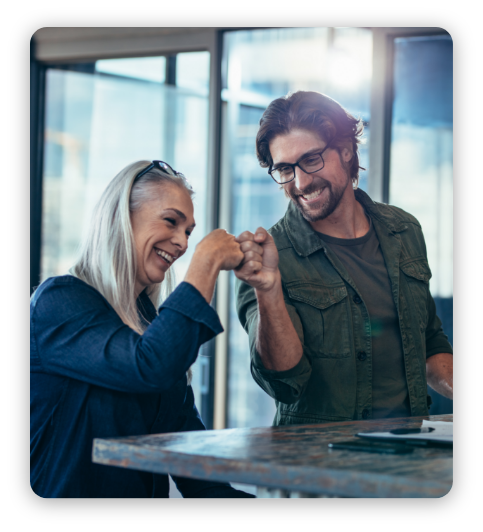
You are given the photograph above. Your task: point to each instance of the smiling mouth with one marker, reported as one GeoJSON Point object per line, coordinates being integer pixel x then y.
{"type": "Point", "coordinates": [169, 259]}
{"type": "Point", "coordinates": [312, 195]}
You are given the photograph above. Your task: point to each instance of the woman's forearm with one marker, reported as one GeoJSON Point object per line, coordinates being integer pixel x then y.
{"type": "Point", "coordinates": [202, 274]}
{"type": "Point", "coordinates": [217, 251]}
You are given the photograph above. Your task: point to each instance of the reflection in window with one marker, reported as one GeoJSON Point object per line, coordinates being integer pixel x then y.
{"type": "Point", "coordinates": [259, 66]}
{"type": "Point", "coordinates": [97, 123]}
{"type": "Point", "coordinates": [421, 174]}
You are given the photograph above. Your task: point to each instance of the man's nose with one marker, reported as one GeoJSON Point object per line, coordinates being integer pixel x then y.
{"type": "Point", "coordinates": [302, 179]}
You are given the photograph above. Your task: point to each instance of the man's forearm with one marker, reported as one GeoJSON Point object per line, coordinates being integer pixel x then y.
{"type": "Point", "coordinates": [277, 343]}
{"type": "Point", "coordinates": [439, 374]}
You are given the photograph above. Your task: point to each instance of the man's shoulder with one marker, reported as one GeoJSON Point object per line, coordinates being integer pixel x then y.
{"type": "Point", "coordinates": [403, 223]}
{"type": "Point", "coordinates": [394, 217]}
{"type": "Point", "coordinates": [396, 214]}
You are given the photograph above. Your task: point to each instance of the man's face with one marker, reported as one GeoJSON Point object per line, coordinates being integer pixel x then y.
{"type": "Point", "coordinates": [315, 195]}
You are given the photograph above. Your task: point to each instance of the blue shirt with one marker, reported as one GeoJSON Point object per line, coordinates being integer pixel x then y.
{"type": "Point", "coordinates": [92, 376]}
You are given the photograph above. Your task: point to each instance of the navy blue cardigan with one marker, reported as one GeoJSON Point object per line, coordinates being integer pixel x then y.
{"type": "Point", "coordinates": [92, 376]}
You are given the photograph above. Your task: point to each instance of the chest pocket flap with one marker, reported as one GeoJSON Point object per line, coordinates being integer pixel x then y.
{"type": "Point", "coordinates": [316, 295]}
{"type": "Point", "coordinates": [418, 269]}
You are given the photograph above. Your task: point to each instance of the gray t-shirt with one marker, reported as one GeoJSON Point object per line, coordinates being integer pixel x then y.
{"type": "Point", "coordinates": [364, 262]}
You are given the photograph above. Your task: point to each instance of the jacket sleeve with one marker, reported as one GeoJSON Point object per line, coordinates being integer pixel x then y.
{"type": "Point", "coordinates": [436, 340]}
{"type": "Point", "coordinates": [77, 334]}
{"type": "Point", "coordinates": [193, 488]}
{"type": "Point", "coordinates": [284, 386]}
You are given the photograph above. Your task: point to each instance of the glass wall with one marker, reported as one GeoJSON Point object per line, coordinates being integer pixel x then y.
{"type": "Point", "coordinates": [259, 66]}
{"type": "Point", "coordinates": [105, 115]}
{"type": "Point", "coordinates": [421, 171]}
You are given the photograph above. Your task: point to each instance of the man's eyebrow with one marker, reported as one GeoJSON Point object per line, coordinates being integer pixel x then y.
{"type": "Point", "coordinates": [310, 152]}
{"type": "Point", "coordinates": [179, 213]}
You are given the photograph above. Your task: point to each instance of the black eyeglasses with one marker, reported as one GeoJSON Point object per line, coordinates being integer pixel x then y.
{"type": "Point", "coordinates": [161, 165]}
{"type": "Point", "coordinates": [309, 164]}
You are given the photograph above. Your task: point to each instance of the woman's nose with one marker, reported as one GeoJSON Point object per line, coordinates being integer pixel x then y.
{"type": "Point", "coordinates": [302, 179]}
{"type": "Point", "coordinates": [180, 240]}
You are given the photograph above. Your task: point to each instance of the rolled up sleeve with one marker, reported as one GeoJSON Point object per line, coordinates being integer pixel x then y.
{"type": "Point", "coordinates": [284, 386]}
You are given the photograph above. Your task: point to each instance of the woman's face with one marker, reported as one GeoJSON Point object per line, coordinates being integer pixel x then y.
{"type": "Point", "coordinates": [161, 229]}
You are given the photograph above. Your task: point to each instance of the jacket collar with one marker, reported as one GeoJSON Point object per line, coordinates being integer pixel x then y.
{"type": "Point", "coordinates": [306, 241]}
{"type": "Point", "coordinates": [385, 216]}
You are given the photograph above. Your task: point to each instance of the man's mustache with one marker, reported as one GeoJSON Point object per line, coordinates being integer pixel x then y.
{"type": "Point", "coordinates": [321, 183]}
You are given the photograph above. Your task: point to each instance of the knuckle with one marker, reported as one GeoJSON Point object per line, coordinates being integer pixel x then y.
{"type": "Point", "coordinates": [246, 235]}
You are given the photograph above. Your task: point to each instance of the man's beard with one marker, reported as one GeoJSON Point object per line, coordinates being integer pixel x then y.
{"type": "Point", "coordinates": [327, 208]}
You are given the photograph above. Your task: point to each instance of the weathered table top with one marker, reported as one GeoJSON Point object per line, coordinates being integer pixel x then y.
{"type": "Point", "coordinates": [294, 457]}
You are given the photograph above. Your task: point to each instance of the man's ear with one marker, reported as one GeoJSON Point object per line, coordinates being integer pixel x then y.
{"type": "Point", "coordinates": [346, 154]}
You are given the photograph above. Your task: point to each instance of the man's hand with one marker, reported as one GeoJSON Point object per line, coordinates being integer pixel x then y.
{"type": "Point", "coordinates": [439, 373]}
{"type": "Point", "coordinates": [259, 267]}
{"type": "Point", "coordinates": [277, 341]}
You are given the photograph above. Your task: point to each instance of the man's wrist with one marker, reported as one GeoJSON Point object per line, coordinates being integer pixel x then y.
{"type": "Point", "coordinates": [272, 294]}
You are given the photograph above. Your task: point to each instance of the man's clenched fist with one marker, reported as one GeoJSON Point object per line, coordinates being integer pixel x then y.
{"type": "Point", "coordinates": [259, 267]}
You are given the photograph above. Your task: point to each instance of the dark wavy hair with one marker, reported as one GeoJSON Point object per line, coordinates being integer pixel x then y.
{"type": "Point", "coordinates": [311, 111]}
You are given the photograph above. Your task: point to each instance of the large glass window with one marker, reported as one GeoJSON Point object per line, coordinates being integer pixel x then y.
{"type": "Point", "coordinates": [102, 116]}
{"type": "Point", "coordinates": [259, 66]}
{"type": "Point", "coordinates": [421, 170]}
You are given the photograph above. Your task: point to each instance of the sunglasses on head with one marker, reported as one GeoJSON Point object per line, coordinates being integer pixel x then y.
{"type": "Point", "coordinates": [160, 165]}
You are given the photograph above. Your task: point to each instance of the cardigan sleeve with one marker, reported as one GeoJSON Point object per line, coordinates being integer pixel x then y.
{"type": "Point", "coordinates": [77, 334]}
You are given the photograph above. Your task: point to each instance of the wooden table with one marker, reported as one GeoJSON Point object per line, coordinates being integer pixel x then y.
{"type": "Point", "coordinates": [290, 461]}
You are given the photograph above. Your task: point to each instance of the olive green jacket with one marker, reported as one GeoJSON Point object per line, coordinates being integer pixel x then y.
{"type": "Point", "coordinates": [331, 382]}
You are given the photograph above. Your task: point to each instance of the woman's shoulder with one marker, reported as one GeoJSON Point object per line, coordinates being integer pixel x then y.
{"type": "Point", "coordinates": [65, 289]}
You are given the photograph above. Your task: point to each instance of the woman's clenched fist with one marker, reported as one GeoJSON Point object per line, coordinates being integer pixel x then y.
{"type": "Point", "coordinates": [221, 249]}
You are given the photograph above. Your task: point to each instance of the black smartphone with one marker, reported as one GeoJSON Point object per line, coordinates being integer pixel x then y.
{"type": "Point", "coordinates": [372, 447]}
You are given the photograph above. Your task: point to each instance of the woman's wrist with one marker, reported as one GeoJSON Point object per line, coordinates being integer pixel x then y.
{"type": "Point", "coordinates": [206, 261]}
{"type": "Point", "coordinates": [202, 273]}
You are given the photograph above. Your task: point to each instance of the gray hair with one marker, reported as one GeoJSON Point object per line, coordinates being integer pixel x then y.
{"type": "Point", "coordinates": [107, 259]}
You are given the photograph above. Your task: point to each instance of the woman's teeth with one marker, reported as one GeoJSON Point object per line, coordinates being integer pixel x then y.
{"type": "Point", "coordinates": [313, 195]}
{"type": "Point", "coordinates": [166, 257]}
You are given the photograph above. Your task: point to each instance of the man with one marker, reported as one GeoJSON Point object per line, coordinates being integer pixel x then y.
{"type": "Point", "coordinates": [335, 296]}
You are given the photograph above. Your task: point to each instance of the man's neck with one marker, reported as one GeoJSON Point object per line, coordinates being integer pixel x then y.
{"type": "Point", "coordinates": [347, 221]}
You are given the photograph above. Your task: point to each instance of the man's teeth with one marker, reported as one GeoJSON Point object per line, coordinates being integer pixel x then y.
{"type": "Point", "coordinates": [165, 256]}
{"type": "Point", "coordinates": [313, 195]}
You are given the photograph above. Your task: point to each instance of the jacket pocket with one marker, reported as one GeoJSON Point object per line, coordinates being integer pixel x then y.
{"type": "Point", "coordinates": [323, 311]}
{"type": "Point", "coordinates": [417, 269]}
{"type": "Point", "coordinates": [417, 275]}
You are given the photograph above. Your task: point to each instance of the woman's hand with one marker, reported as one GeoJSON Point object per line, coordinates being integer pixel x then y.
{"type": "Point", "coordinates": [221, 249]}
{"type": "Point", "coordinates": [217, 251]}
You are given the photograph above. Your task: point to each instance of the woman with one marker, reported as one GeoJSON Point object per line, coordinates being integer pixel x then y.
{"type": "Point", "coordinates": [104, 361]}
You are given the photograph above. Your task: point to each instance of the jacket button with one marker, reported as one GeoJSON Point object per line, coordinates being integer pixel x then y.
{"type": "Point", "coordinates": [357, 299]}
{"type": "Point", "coordinates": [365, 413]}
{"type": "Point", "coordinates": [361, 355]}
